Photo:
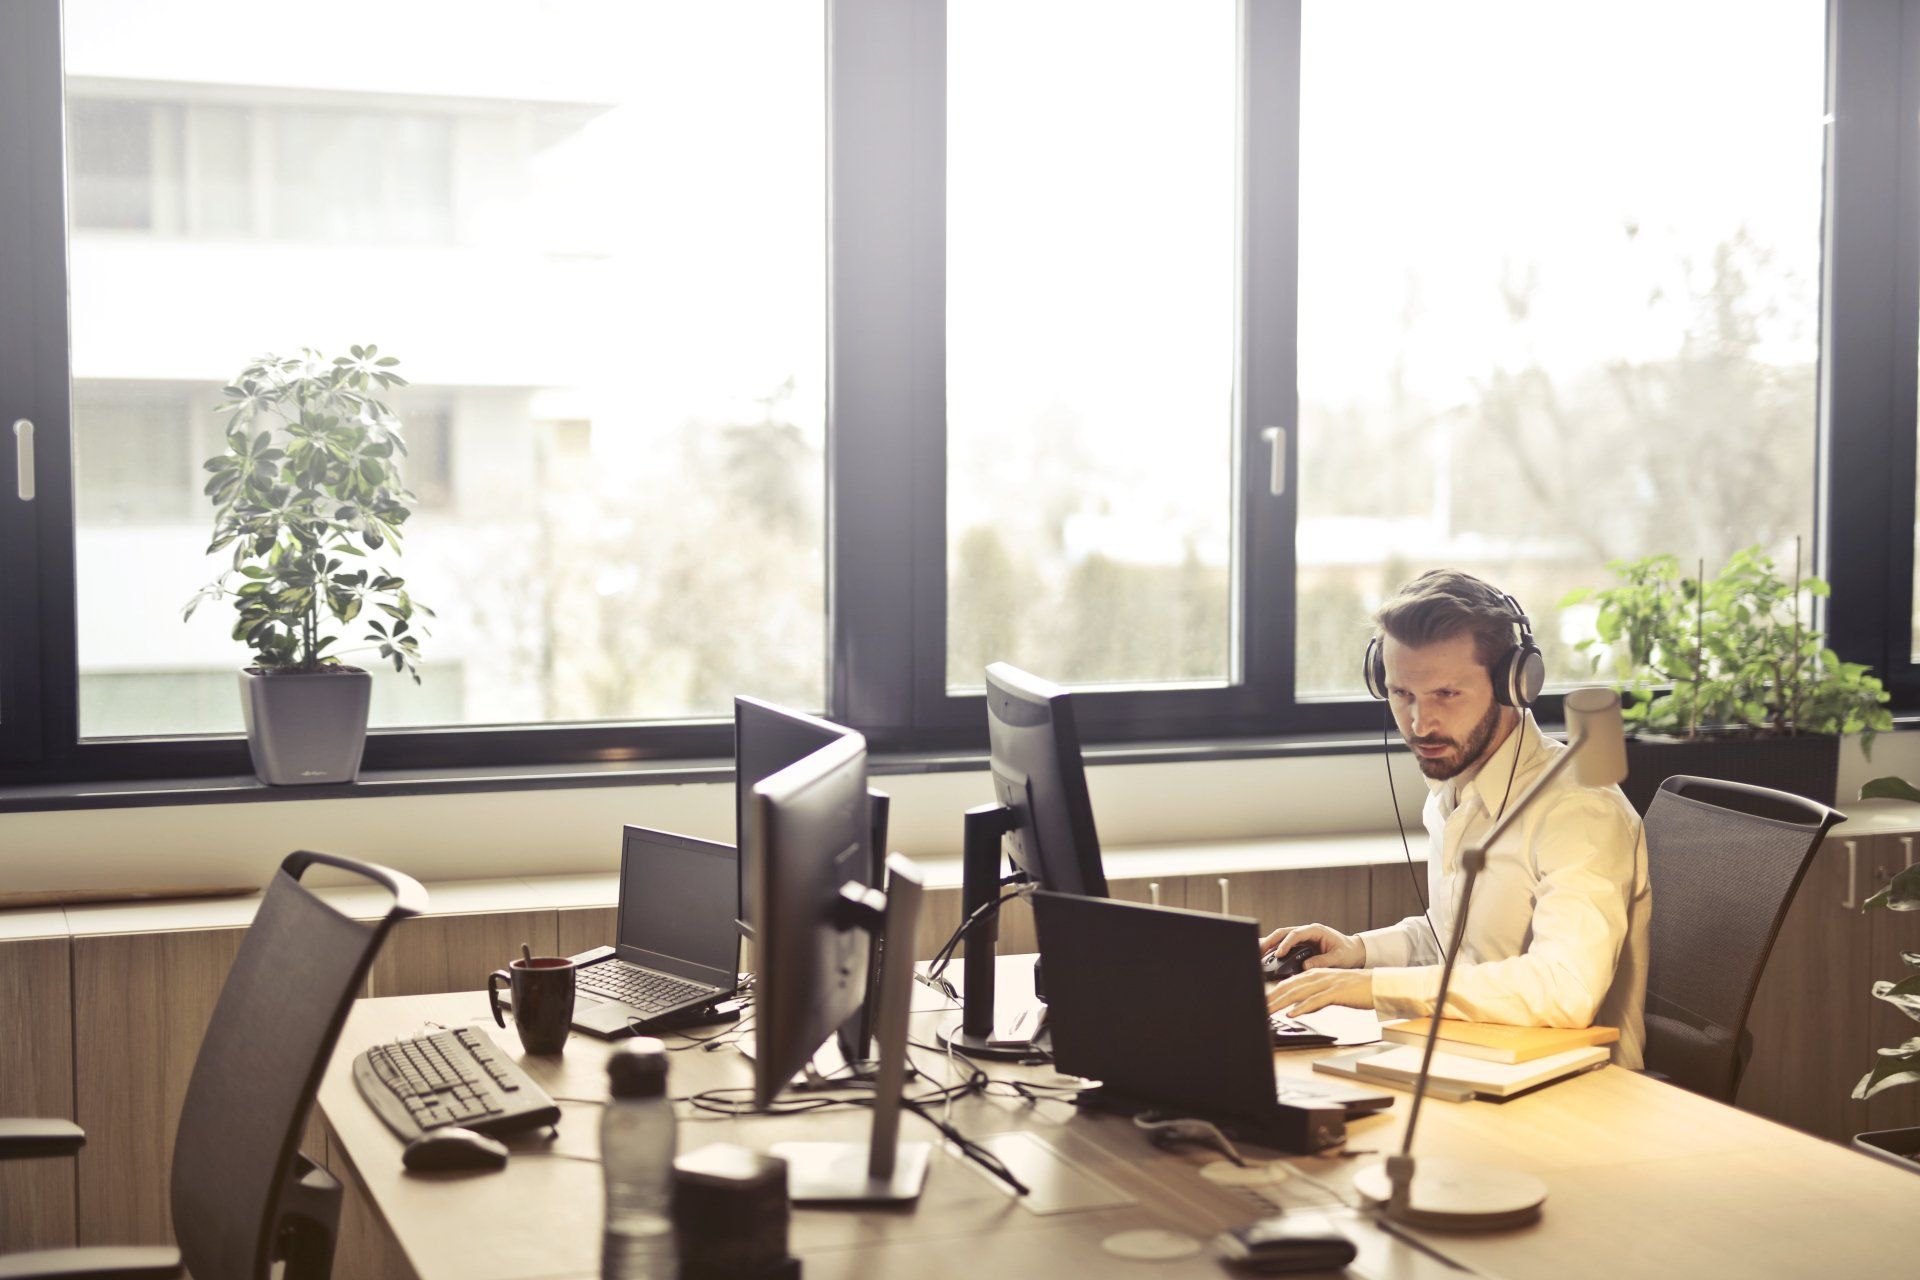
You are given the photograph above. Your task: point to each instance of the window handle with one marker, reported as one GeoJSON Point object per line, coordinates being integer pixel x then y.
{"type": "Point", "coordinates": [23, 452]}
{"type": "Point", "coordinates": [1276, 438]}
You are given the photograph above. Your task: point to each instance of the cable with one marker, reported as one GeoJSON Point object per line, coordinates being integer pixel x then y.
{"type": "Point", "coordinates": [944, 955]}
{"type": "Point", "coordinates": [1386, 758]}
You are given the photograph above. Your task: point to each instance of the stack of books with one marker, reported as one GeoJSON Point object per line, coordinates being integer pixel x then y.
{"type": "Point", "coordinates": [1476, 1059]}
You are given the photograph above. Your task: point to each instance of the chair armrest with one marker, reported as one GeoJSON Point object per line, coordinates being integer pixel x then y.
{"type": "Point", "coordinates": [149, 1262]}
{"type": "Point", "coordinates": [20, 1139]}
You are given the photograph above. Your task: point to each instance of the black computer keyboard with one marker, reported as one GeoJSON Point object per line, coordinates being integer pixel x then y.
{"type": "Point", "coordinates": [642, 988]}
{"type": "Point", "coordinates": [450, 1078]}
{"type": "Point", "coordinates": [1291, 1033]}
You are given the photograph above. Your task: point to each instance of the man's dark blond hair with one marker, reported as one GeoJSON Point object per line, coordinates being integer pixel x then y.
{"type": "Point", "coordinates": [1441, 604]}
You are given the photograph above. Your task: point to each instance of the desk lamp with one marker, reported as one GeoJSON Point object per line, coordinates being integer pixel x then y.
{"type": "Point", "coordinates": [1455, 1194]}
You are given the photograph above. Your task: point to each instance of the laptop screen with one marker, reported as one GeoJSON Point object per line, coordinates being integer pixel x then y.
{"type": "Point", "coordinates": [676, 906]}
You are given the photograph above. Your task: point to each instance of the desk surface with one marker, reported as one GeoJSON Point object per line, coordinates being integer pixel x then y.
{"type": "Point", "coordinates": [1644, 1179]}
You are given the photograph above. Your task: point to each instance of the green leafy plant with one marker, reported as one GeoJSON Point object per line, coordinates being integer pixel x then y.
{"type": "Point", "coordinates": [308, 486]}
{"type": "Point", "coordinates": [1732, 651]}
{"type": "Point", "coordinates": [1899, 1064]}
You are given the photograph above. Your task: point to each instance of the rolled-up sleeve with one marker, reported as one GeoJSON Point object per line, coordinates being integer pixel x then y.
{"type": "Point", "coordinates": [1584, 849]}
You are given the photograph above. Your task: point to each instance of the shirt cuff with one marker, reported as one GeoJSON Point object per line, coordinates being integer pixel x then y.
{"type": "Point", "coordinates": [1385, 947]}
{"type": "Point", "coordinates": [1405, 993]}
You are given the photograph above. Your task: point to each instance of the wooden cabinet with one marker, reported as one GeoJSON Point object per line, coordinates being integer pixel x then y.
{"type": "Point", "coordinates": [1395, 893]}
{"type": "Point", "coordinates": [1336, 896]}
{"type": "Point", "coordinates": [1889, 934]}
{"type": "Point", "coordinates": [36, 1080]}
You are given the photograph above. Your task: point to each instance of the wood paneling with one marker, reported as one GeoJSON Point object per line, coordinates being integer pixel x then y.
{"type": "Point", "coordinates": [1810, 1016]}
{"type": "Point", "coordinates": [432, 954]}
{"type": "Point", "coordinates": [141, 1006]}
{"type": "Point", "coordinates": [36, 1080]}
{"type": "Point", "coordinates": [1334, 896]}
{"type": "Point", "coordinates": [580, 929]}
{"type": "Point", "coordinates": [1394, 895]}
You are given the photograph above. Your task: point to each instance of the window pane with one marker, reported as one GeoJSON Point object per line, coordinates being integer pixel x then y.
{"type": "Point", "coordinates": [1090, 316]}
{"type": "Point", "coordinates": [592, 233]}
{"type": "Point", "coordinates": [1559, 275]}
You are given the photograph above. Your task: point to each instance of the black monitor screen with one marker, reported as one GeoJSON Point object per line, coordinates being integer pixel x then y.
{"type": "Point", "coordinates": [766, 739]}
{"type": "Point", "coordinates": [676, 906]}
{"type": "Point", "coordinates": [1037, 773]}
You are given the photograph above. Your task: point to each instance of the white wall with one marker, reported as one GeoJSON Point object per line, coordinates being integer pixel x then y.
{"type": "Point", "coordinates": [508, 833]}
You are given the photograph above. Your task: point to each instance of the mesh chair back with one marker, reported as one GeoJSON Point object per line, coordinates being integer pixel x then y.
{"type": "Point", "coordinates": [1723, 861]}
{"type": "Point", "coordinates": [273, 1030]}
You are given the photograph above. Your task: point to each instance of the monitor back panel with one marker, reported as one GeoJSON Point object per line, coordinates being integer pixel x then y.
{"type": "Point", "coordinates": [1162, 1005]}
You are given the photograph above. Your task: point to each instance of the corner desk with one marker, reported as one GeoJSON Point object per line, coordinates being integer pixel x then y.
{"type": "Point", "coordinates": [1645, 1179]}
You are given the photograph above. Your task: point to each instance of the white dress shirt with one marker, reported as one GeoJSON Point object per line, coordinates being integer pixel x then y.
{"type": "Point", "coordinates": [1557, 931]}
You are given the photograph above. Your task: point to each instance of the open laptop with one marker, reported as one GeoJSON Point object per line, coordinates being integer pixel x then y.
{"type": "Point", "coordinates": [1166, 1008]}
{"type": "Point", "coordinates": [675, 950]}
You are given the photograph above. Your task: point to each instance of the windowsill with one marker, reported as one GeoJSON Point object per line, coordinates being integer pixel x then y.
{"type": "Point", "coordinates": [244, 789]}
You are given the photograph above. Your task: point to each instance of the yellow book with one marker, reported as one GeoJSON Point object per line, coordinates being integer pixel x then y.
{"type": "Point", "coordinates": [1496, 1042]}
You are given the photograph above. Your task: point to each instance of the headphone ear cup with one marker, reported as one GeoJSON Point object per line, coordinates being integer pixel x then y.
{"type": "Point", "coordinates": [1529, 674]}
{"type": "Point", "coordinates": [1501, 677]}
{"type": "Point", "coordinates": [1373, 670]}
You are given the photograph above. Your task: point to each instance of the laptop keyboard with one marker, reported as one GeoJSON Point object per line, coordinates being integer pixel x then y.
{"type": "Point", "coordinates": [642, 988]}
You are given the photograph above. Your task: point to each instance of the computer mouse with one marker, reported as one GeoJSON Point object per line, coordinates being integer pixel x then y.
{"type": "Point", "coordinates": [444, 1150]}
{"type": "Point", "coordinates": [1275, 967]}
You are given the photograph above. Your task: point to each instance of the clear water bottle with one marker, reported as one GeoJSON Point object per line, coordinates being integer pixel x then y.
{"type": "Point", "coordinates": [636, 1155]}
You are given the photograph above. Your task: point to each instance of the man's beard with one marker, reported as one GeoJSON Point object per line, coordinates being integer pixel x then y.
{"type": "Point", "coordinates": [1441, 768]}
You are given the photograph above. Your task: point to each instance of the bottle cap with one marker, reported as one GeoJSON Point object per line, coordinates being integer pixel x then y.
{"type": "Point", "coordinates": [639, 1070]}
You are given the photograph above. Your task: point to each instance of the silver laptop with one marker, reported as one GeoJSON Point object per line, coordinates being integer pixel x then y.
{"type": "Point", "coordinates": [675, 950]}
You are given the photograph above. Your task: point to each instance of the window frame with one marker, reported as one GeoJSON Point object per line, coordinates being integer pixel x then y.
{"type": "Point", "coordinates": [885, 455]}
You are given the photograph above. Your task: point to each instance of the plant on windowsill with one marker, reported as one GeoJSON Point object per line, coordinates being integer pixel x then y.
{"type": "Point", "coordinates": [308, 487]}
{"type": "Point", "coordinates": [1721, 677]}
{"type": "Point", "coordinates": [1899, 1064]}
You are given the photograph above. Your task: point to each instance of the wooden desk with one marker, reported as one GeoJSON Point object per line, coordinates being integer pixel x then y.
{"type": "Point", "coordinates": [1645, 1179]}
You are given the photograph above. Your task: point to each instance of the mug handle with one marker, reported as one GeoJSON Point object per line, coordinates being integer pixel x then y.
{"type": "Point", "coordinates": [493, 993]}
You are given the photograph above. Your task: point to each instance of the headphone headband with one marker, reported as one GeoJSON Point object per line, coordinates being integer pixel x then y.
{"type": "Point", "coordinates": [1517, 676]}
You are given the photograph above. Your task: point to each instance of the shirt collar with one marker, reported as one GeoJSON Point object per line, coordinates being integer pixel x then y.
{"type": "Point", "coordinates": [1492, 774]}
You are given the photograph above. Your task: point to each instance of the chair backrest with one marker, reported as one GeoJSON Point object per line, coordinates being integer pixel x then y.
{"type": "Point", "coordinates": [273, 1030]}
{"type": "Point", "coordinates": [1723, 861]}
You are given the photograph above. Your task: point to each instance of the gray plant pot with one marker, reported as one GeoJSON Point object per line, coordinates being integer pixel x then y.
{"type": "Point", "coordinates": [1895, 1146]}
{"type": "Point", "coordinates": [305, 730]}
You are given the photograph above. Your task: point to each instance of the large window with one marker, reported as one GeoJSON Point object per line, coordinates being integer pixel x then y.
{"type": "Point", "coordinates": [1550, 321]}
{"type": "Point", "coordinates": [830, 351]}
{"type": "Point", "coordinates": [602, 274]}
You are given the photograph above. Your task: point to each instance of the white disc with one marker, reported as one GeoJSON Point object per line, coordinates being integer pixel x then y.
{"type": "Point", "coordinates": [1151, 1245]}
{"type": "Point", "coordinates": [1457, 1195]}
{"type": "Point", "coordinates": [1258, 1173]}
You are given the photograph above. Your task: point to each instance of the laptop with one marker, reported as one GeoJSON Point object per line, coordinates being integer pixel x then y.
{"type": "Point", "coordinates": [675, 951]}
{"type": "Point", "coordinates": [1166, 1008]}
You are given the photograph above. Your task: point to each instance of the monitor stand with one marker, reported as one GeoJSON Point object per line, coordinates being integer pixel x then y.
{"type": "Point", "coordinates": [883, 1169]}
{"type": "Point", "coordinates": [975, 1034]}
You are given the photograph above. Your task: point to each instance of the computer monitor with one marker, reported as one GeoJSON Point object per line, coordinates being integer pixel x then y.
{"type": "Point", "coordinates": [1034, 754]}
{"type": "Point", "coordinates": [766, 739]}
{"type": "Point", "coordinates": [1043, 821]}
{"type": "Point", "coordinates": [813, 915]}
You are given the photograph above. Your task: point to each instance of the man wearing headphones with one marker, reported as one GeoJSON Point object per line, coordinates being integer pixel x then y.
{"type": "Point", "coordinates": [1557, 932]}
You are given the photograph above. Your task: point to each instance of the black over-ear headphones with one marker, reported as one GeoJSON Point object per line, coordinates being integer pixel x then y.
{"type": "Point", "coordinates": [1517, 677]}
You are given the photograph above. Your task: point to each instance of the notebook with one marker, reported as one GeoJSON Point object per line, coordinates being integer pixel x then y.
{"type": "Point", "coordinates": [1497, 1042]}
{"type": "Point", "coordinates": [1457, 1078]}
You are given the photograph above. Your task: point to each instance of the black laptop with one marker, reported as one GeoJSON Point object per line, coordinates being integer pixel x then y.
{"type": "Point", "coordinates": [1167, 1010]}
{"type": "Point", "coordinates": [675, 949]}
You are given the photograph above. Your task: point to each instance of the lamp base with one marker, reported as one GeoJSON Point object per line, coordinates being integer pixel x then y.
{"type": "Point", "coordinates": [1454, 1195]}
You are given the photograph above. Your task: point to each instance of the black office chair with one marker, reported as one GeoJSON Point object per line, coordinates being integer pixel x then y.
{"type": "Point", "coordinates": [243, 1195]}
{"type": "Point", "coordinates": [1724, 860]}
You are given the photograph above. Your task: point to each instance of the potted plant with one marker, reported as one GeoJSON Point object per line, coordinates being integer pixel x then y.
{"type": "Point", "coordinates": [1899, 1064]}
{"type": "Point", "coordinates": [1723, 678]}
{"type": "Point", "coordinates": [308, 487]}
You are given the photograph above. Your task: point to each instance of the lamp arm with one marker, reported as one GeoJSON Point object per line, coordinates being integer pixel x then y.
{"type": "Point", "coordinates": [1473, 860]}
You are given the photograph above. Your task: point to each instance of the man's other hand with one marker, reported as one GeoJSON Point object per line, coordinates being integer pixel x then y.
{"type": "Point", "coordinates": [1337, 950]}
{"type": "Point", "coordinates": [1306, 992]}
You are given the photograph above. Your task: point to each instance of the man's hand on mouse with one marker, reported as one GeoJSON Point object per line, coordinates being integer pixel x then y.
{"type": "Point", "coordinates": [1337, 950]}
